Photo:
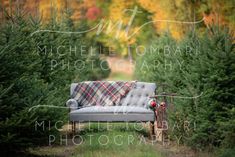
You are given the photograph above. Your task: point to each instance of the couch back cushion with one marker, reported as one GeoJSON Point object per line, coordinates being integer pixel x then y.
{"type": "Point", "coordinates": [138, 96]}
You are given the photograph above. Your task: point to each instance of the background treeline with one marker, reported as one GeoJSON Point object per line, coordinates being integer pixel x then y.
{"type": "Point", "coordinates": [27, 79]}
{"type": "Point", "coordinates": [92, 11]}
{"type": "Point", "coordinates": [196, 66]}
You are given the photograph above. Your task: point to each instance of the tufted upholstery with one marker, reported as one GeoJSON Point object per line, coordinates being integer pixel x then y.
{"type": "Point", "coordinates": [139, 95]}
{"type": "Point", "coordinates": [134, 103]}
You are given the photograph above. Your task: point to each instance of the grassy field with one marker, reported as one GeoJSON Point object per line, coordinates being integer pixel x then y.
{"type": "Point", "coordinates": [119, 76]}
{"type": "Point", "coordinates": [113, 140]}
{"type": "Point", "coordinates": [121, 69]}
{"type": "Point", "coordinates": [119, 140]}
{"type": "Point", "coordinates": [102, 140]}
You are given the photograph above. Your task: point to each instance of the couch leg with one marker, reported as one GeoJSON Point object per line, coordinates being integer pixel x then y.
{"type": "Point", "coordinates": [73, 124]}
{"type": "Point", "coordinates": [74, 127]}
{"type": "Point", "coordinates": [152, 130]}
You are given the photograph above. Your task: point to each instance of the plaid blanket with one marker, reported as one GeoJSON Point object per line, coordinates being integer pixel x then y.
{"type": "Point", "coordinates": [101, 92]}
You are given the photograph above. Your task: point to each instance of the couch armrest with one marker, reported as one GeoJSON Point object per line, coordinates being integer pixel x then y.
{"type": "Point", "coordinates": [72, 104]}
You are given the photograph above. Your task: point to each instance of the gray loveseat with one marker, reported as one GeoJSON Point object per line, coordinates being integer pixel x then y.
{"type": "Point", "coordinates": [132, 107]}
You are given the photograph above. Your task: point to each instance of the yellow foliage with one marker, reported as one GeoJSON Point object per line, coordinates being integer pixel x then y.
{"type": "Point", "coordinates": [161, 10]}
{"type": "Point", "coordinates": [117, 10]}
{"type": "Point", "coordinates": [48, 8]}
{"type": "Point", "coordinates": [117, 38]}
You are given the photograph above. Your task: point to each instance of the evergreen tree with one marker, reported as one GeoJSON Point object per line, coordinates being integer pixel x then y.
{"type": "Point", "coordinates": [207, 68]}
{"type": "Point", "coordinates": [28, 80]}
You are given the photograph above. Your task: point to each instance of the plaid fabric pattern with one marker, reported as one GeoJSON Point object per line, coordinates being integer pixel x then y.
{"type": "Point", "coordinates": [103, 93]}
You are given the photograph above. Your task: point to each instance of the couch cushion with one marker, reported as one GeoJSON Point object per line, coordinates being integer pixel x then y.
{"type": "Point", "coordinates": [112, 113]}
{"type": "Point", "coordinates": [111, 109]}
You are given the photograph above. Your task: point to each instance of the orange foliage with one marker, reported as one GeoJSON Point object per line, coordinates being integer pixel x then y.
{"type": "Point", "coordinates": [213, 18]}
{"type": "Point", "coordinates": [47, 9]}
{"type": "Point", "coordinates": [160, 10]}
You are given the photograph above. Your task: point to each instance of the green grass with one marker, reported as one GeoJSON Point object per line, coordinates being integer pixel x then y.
{"type": "Point", "coordinates": [121, 140]}
{"type": "Point", "coordinates": [117, 76]}
{"type": "Point", "coordinates": [125, 140]}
